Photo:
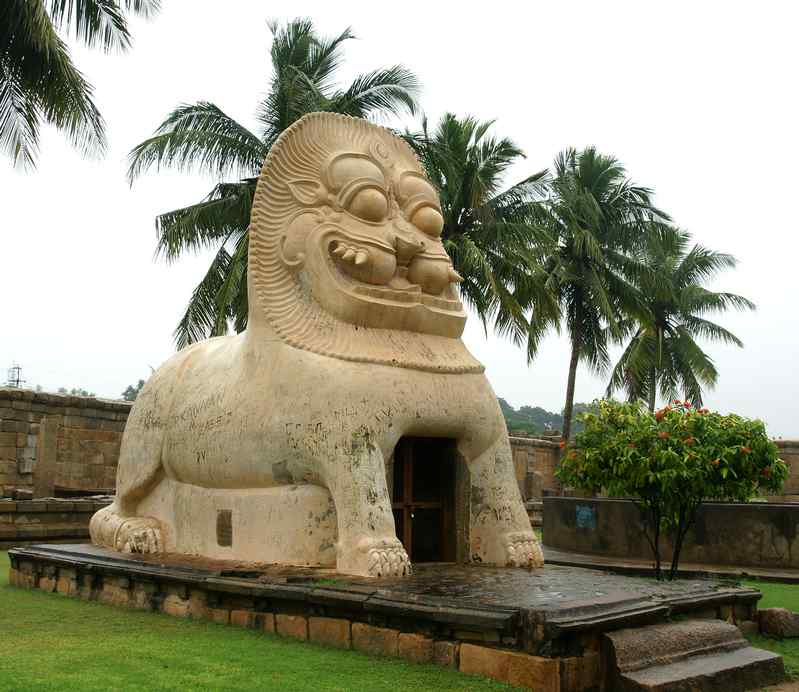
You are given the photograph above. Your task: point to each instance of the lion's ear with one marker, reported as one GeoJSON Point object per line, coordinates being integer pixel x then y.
{"type": "Point", "coordinates": [307, 192]}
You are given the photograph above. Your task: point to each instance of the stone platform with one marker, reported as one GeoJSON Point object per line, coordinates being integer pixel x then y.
{"type": "Point", "coordinates": [542, 629]}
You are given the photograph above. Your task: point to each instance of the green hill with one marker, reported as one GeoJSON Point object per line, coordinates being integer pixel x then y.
{"type": "Point", "coordinates": [535, 420]}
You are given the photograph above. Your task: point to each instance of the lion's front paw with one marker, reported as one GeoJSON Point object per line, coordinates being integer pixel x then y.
{"type": "Point", "coordinates": [139, 535]}
{"type": "Point", "coordinates": [374, 557]}
{"type": "Point", "coordinates": [523, 550]}
{"type": "Point", "coordinates": [388, 559]}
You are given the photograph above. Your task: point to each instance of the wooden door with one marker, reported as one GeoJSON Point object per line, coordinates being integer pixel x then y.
{"type": "Point", "coordinates": [424, 498]}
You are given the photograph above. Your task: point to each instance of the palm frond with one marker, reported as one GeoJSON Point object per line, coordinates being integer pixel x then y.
{"type": "Point", "coordinates": [325, 58]}
{"type": "Point", "coordinates": [705, 329]}
{"type": "Point", "coordinates": [92, 22]}
{"type": "Point", "coordinates": [19, 121]}
{"type": "Point", "coordinates": [393, 90]}
{"type": "Point", "coordinates": [202, 318]}
{"type": "Point", "coordinates": [199, 137]}
{"type": "Point", "coordinates": [224, 213]}
{"type": "Point", "coordinates": [673, 307]}
{"type": "Point", "coordinates": [228, 294]}
{"type": "Point", "coordinates": [40, 82]}
{"type": "Point", "coordinates": [696, 299]}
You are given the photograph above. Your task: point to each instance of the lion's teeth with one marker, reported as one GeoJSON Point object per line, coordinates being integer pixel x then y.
{"type": "Point", "coordinates": [361, 256]}
{"type": "Point", "coordinates": [339, 250]}
{"type": "Point", "coordinates": [454, 277]}
{"type": "Point", "coordinates": [349, 255]}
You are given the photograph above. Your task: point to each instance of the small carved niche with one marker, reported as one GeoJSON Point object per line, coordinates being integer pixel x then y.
{"type": "Point", "coordinates": [224, 528]}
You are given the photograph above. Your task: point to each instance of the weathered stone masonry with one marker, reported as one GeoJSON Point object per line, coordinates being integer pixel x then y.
{"type": "Point", "coordinates": [788, 451]}
{"type": "Point", "coordinates": [536, 461]}
{"type": "Point", "coordinates": [55, 444]}
{"type": "Point", "coordinates": [26, 522]}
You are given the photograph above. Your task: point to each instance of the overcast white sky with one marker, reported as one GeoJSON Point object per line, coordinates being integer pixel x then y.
{"type": "Point", "coordinates": [698, 100]}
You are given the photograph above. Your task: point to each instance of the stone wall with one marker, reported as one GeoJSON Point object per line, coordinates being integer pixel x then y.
{"type": "Point", "coordinates": [536, 461]}
{"type": "Point", "coordinates": [47, 521]}
{"type": "Point", "coordinates": [789, 453]}
{"type": "Point", "coordinates": [757, 534]}
{"type": "Point", "coordinates": [56, 444]}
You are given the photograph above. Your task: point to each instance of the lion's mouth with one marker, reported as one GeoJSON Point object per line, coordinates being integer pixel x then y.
{"type": "Point", "coordinates": [406, 273]}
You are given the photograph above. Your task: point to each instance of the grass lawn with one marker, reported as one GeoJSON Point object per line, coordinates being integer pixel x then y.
{"type": "Point", "coordinates": [53, 642]}
{"type": "Point", "coordinates": [778, 596]}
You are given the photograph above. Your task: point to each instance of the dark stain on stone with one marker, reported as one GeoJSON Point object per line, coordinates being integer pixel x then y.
{"type": "Point", "coordinates": [281, 473]}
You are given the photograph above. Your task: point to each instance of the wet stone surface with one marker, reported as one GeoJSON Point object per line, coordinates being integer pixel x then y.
{"type": "Point", "coordinates": [551, 588]}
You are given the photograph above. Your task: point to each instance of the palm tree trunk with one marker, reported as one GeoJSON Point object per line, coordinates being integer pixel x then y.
{"type": "Point", "coordinates": [569, 407]}
{"type": "Point", "coordinates": [653, 380]}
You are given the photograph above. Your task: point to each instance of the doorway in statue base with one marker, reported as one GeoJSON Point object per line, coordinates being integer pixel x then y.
{"type": "Point", "coordinates": [423, 498]}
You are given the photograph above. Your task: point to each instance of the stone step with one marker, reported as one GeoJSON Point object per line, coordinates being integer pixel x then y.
{"type": "Point", "coordinates": [690, 655]}
{"type": "Point", "coordinates": [743, 669]}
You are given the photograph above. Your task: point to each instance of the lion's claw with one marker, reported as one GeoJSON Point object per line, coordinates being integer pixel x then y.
{"type": "Point", "coordinates": [523, 550]}
{"type": "Point", "coordinates": [386, 558]}
{"type": "Point", "coordinates": [139, 535]}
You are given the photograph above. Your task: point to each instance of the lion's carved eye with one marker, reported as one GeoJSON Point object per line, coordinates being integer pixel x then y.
{"type": "Point", "coordinates": [369, 204]}
{"type": "Point", "coordinates": [428, 220]}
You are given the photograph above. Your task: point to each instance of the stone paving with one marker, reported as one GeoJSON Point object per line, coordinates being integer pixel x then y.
{"type": "Point", "coordinates": [549, 588]}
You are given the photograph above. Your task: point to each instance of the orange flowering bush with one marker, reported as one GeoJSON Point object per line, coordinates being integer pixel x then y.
{"type": "Point", "coordinates": [671, 461]}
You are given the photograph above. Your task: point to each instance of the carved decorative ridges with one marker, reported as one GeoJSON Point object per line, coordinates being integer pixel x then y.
{"type": "Point", "coordinates": [281, 294]}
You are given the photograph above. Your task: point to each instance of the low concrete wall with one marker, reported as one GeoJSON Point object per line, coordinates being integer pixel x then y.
{"type": "Point", "coordinates": [756, 534]}
{"type": "Point", "coordinates": [49, 520]}
{"type": "Point", "coordinates": [53, 443]}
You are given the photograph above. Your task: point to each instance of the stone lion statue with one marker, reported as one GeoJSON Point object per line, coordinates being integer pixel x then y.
{"type": "Point", "coordinates": [272, 445]}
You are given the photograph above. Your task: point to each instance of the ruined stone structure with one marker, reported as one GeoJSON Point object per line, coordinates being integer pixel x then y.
{"type": "Point", "coordinates": [789, 453]}
{"type": "Point", "coordinates": [535, 462]}
{"type": "Point", "coordinates": [56, 444]}
{"type": "Point", "coordinates": [274, 445]}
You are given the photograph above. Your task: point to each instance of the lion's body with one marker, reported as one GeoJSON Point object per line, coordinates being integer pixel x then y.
{"type": "Point", "coordinates": [282, 413]}
{"type": "Point", "coordinates": [272, 445]}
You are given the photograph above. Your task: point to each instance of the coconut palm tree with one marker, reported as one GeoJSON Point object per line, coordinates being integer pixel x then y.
{"type": "Point", "coordinates": [203, 138]}
{"type": "Point", "coordinates": [596, 217]}
{"type": "Point", "coordinates": [663, 354]}
{"type": "Point", "coordinates": [488, 230]}
{"type": "Point", "coordinates": [39, 83]}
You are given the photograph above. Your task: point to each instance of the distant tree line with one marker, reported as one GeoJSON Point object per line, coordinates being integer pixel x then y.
{"type": "Point", "coordinates": [534, 420]}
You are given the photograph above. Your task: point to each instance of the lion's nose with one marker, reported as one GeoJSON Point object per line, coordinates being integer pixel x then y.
{"type": "Point", "coordinates": [407, 248]}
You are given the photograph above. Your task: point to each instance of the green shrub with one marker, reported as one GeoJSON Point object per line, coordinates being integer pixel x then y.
{"type": "Point", "coordinates": [670, 461]}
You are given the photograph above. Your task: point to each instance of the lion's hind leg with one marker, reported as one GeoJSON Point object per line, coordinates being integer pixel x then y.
{"type": "Point", "coordinates": [117, 526]}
